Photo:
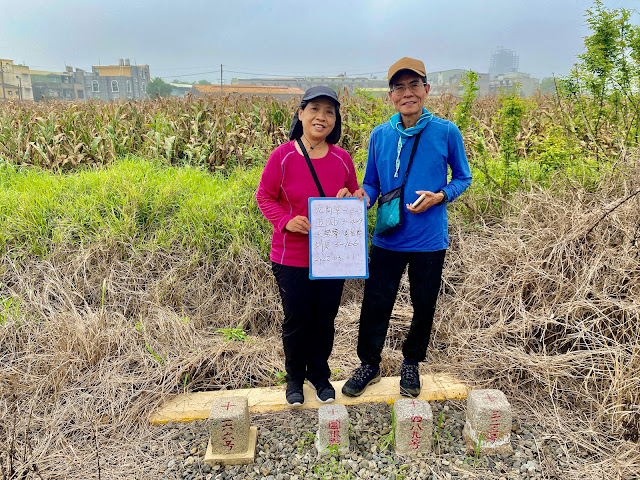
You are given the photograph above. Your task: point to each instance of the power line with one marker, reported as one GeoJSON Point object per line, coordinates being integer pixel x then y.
{"type": "Point", "coordinates": [265, 74]}
{"type": "Point", "coordinates": [249, 71]}
{"type": "Point", "coordinates": [308, 75]}
{"type": "Point", "coordinates": [190, 74]}
{"type": "Point", "coordinates": [184, 68]}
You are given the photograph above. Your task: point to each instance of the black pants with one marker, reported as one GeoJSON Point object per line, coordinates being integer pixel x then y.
{"type": "Point", "coordinates": [385, 272]}
{"type": "Point", "coordinates": [310, 308]}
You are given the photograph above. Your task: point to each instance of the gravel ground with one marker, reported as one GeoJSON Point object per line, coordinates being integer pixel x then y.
{"type": "Point", "coordinates": [285, 450]}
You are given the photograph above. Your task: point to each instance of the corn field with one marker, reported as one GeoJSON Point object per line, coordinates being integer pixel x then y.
{"type": "Point", "coordinates": [217, 133]}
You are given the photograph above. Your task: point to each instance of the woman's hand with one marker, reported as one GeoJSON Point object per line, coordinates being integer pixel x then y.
{"type": "Point", "coordinates": [361, 194]}
{"type": "Point", "coordinates": [343, 192]}
{"type": "Point", "coordinates": [299, 224]}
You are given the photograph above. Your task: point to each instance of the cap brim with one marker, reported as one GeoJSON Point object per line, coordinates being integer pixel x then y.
{"type": "Point", "coordinates": [316, 95]}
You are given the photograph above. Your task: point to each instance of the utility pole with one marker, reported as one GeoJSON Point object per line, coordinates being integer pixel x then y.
{"type": "Point", "coordinates": [221, 92]}
{"type": "Point", "coordinates": [4, 95]}
{"type": "Point", "coordinates": [19, 83]}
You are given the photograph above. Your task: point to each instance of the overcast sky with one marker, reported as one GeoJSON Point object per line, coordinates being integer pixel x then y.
{"type": "Point", "coordinates": [189, 39]}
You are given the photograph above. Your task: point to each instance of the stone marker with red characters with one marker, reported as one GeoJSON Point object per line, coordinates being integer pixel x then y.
{"type": "Point", "coordinates": [488, 423]}
{"type": "Point", "coordinates": [333, 429]}
{"type": "Point", "coordinates": [413, 426]}
{"type": "Point", "coordinates": [231, 440]}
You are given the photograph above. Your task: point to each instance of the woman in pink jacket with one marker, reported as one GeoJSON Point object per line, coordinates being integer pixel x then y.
{"type": "Point", "coordinates": [310, 306]}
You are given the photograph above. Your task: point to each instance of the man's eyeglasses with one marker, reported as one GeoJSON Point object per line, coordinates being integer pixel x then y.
{"type": "Point", "coordinates": [414, 86]}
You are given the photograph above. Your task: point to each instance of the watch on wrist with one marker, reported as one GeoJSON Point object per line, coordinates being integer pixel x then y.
{"type": "Point", "coordinates": [445, 197]}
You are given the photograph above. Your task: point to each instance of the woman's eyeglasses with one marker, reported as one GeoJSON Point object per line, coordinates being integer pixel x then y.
{"type": "Point", "coordinates": [414, 86]}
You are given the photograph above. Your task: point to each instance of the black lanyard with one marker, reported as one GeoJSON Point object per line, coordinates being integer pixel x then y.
{"type": "Point", "coordinates": [413, 152]}
{"type": "Point", "coordinates": [313, 171]}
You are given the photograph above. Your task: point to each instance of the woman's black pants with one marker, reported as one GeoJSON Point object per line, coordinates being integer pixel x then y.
{"type": "Point", "coordinates": [310, 308]}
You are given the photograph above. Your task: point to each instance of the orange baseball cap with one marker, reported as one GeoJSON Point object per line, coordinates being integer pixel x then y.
{"type": "Point", "coordinates": [407, 63]}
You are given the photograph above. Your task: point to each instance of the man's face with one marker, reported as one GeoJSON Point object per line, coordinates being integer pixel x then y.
{"type": "Point", "coordinates": [409, 93]}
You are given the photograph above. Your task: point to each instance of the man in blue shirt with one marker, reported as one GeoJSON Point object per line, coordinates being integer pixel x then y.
{"type": "Point", "coordinates": [422, 239]}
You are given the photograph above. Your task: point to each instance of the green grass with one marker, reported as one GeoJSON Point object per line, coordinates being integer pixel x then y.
{"type": "Point", "coordinates": [151, 205]}
{"type": "Point", "coordinates": [141, 203]}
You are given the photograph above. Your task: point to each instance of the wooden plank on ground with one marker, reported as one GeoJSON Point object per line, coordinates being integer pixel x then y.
{"type": "Point", "coordinates": [195, 406]}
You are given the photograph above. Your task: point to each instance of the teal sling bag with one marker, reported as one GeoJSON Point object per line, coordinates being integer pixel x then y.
{"type": "Point", "coordinates": [390, 205]}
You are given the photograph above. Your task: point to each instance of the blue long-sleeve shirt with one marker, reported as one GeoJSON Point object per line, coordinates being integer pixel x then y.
{"type": "Point", "coordinates": [440, 148]}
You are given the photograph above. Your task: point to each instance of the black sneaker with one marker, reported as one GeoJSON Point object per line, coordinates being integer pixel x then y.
{"type": "Point", "coordinates": [409, 381]}
{"type": "Point", "coordinates": [325, 392]}
{"type": "Point", "coordinates": [295, 396]}
{"type": "Point", "coordinates": [364, 376]}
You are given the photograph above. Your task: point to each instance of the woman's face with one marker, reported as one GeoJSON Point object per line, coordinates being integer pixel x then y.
{"type": "Point", "coordinates": [318, 119]}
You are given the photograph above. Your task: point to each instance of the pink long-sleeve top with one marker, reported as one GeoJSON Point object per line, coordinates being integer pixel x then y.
{"type": "Point", "coordinates": [284, 191]}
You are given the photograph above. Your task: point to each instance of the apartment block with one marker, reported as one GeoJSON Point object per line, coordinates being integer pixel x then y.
{"type": "Point", "coordinates": [113, 82]}
{"type": "Point", "coordinates": [15, 81]}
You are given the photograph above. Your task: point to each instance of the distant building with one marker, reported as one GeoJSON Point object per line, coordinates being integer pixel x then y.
{"type": "Point", "coordinates": [15, 81]}
{"type": "Point", "coordinates": [503, 61]}
{"type": "Point", "coordinates": [303, 83]}
{"type": "Point", "coordinates": [483, 84]}
{"type": "Point", "coordinates": [450, 82]}
{"type": "Point", "coordinates": [109, 82]}
{"type": "Point", "coordinates": [377, 92]}
{"type": "Point", "coordinates": [180, 89]}
{"type": "Point", "coordinates": [274, 91]}
{"type": "Point", "coordinates": [67, 85]}
{"type": "Point", "coordinates": [122, 81]}
{"type": "Point", "coordinates": [444, 77]}
{"type": "Point", "coordinates": [523, 82]}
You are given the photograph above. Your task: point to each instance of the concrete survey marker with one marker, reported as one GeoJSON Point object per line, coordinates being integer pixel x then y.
{"type": "Point", "coordinates": [333, 429]}
{"type": "Point", "coordinates": [413, 421]}
{"type": "Point", "coordinates": [231, 440]}
{"type": "Point", "coordinates": [196, 406]}
{"type": "Point", "coordinates": [488, 424]}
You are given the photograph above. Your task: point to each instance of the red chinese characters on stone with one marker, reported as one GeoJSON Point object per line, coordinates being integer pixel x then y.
{"type": "Point", "coordinates": [493, 426]}
{"type": "Point", "coordinates": [334, 432]}
{"type": "Point", "coordinates": [227, 434]}
{"type": "Point", "coordinates": [416, 431]}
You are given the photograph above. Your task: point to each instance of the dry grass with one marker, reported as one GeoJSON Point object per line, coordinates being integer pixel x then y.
{"type": "Point", "coordinates": [543, 304]}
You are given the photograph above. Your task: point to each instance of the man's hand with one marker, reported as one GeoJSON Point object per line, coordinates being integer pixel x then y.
{"type": "Point", "coordinates": [361, 194]}
{"type": "Point", "coordinates": [430, 200]}
{"type": "Point", "coordinates": [299, 224]}
{"type": "Point", "coordinates": [343, 192]}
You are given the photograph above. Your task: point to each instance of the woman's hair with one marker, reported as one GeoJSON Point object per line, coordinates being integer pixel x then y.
{"type": "Point", "coordinates": [295, 131]}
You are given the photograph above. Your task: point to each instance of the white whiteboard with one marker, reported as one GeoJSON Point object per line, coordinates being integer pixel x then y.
{"type": "Point", "coordinates": [338, 238]}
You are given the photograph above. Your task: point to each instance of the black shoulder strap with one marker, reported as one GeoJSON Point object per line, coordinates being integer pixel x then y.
{"type": "Point", "coordinates": [413, 152]}
{"type": "Point", "coordinates": [313, 171]}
